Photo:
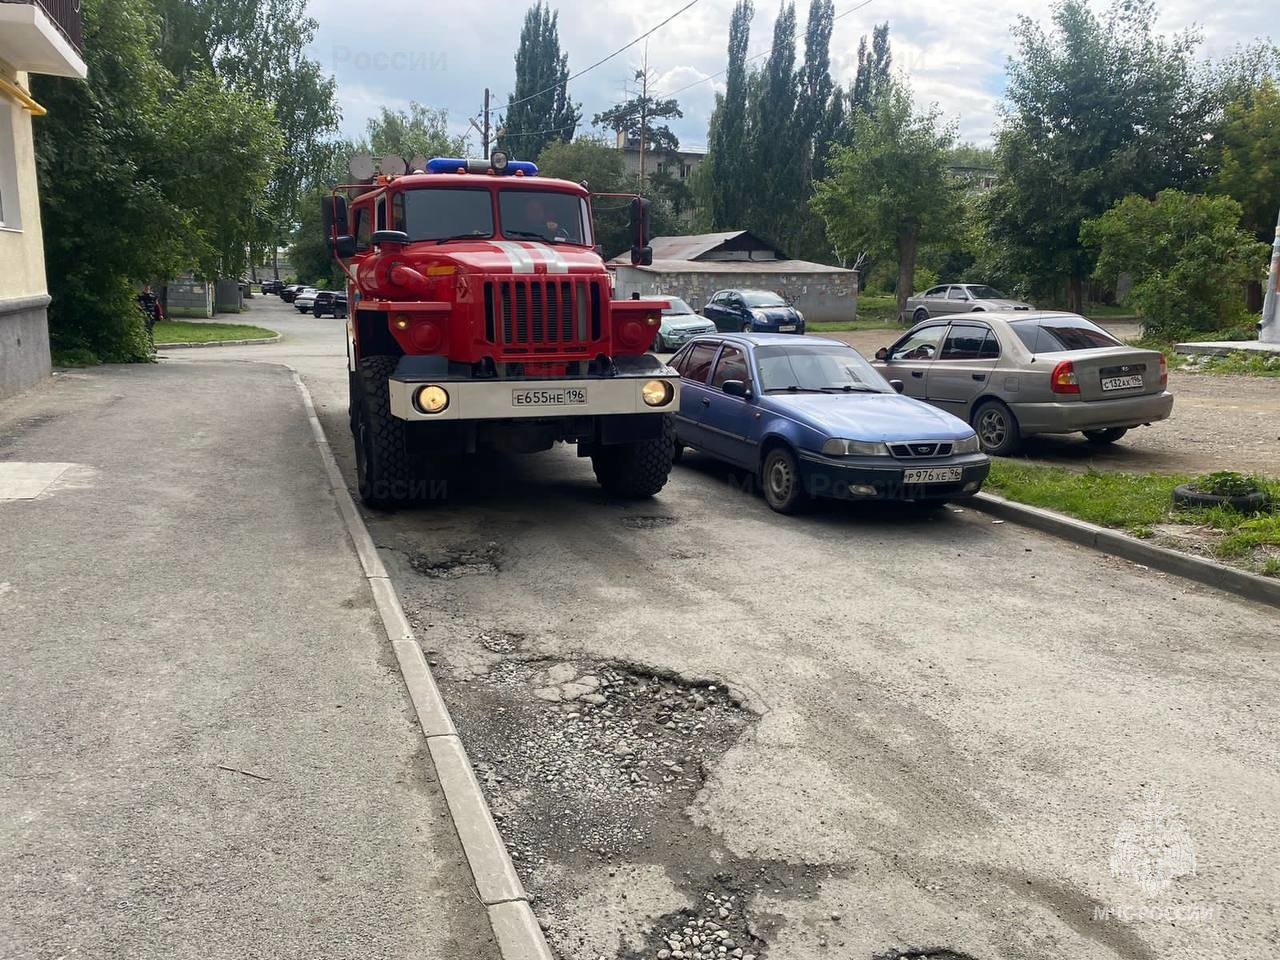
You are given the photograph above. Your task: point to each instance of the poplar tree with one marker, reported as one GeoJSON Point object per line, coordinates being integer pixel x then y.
{"type": "Point", "coordinates": [539, 110]}
{"type": "Point", "coordinates": [723, 180]}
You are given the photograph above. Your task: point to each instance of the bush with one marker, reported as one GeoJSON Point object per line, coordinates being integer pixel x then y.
{"type": "Point", "coordinates": [1188, 257]}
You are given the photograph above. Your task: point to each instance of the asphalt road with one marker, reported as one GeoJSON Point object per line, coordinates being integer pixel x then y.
{"type": "Point", "coordinates": [206, 748]}
{"type": "Point", "coordinates": [946, 735]}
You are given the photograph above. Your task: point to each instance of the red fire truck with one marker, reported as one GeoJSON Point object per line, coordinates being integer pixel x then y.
{"type": "Point", "coordinates": [482, 319]}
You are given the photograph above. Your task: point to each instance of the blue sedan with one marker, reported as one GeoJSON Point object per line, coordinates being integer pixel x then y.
{"type": "Point", "coordinates": [811, 418]}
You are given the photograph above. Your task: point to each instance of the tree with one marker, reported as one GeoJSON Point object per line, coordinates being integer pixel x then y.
{"type": "Point", "coordinates": [643, 115]}
{"type": "Point", "coordinates": [1098, 109]}
{"type": "Point", "coordinates": [874, 71]}
{"type": "Point", "coordinates": [588, 159]}
{"type": "Point", "coordinates": [258, 47]}
{"type": "Point", "coordinates": [890, 189]}
{"type": "Point", "coordinates": [228, 149]}
{"type": "Point", "coordinates": [1187, 256]}
{"type": "Point", "coordinates": [722, 181]}
{"type": "Point", "coordinates": [141, 176]}
{"type": "Point", "coordinates": [771, 149]}
{"type": "Point", "coordinates": [419, 131]}
{"type": "Point", "coordinates": [1247, 156]}
{"type": "Point", "coordinates": [539, 109]}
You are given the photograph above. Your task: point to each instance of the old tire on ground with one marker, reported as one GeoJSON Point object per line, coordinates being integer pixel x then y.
{"type": "Point", "coordinates": [781, 482]}
{"type": "Point", "coordinates": [639, 469]}
{"type": "Point", "coordinates": [997, 428]}
{"type": "Point", "coordinates": [1101, 438]}
{"type": "Point", "coordinates": [1185, 495]}
{"type": "Point", "coordinates": [384, 471]}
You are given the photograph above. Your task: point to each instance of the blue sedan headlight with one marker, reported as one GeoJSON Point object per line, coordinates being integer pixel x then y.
{"type": "Point", "coordinates": [854, 448]}
{"type": "Point", "coordinates": [968, 445]}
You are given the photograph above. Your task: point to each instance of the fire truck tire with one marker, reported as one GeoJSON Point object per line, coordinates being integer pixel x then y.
{"type": "Point", "coordinates": [639, 469]}
{"type": "Point", "coordinates": [384, 471]}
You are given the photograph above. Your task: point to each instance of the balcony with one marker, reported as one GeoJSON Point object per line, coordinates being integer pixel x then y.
{"type": "Point", "coordinates": [43, 36]}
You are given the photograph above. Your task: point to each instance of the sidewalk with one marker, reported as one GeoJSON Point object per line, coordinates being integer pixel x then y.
{"type": "Point", "coordinates": [181, 600]}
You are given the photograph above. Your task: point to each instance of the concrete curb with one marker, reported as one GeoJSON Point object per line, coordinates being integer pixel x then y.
{"type": "Point", "coordinates": [1209, 572]}
{"type": "Point", "coordinates": [515, 928]}
{"type": "Point", "coordinates": [217, 343]}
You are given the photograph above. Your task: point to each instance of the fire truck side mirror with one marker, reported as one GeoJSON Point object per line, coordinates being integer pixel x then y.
{"type": "Point", "coordinates": [641, 256]}
{"type": "Point", "coordinates": [333, 210]}
{"type": "Point", "coordinates": [344, 247]}
{"type": "Point", "coordinates": [640, 222]}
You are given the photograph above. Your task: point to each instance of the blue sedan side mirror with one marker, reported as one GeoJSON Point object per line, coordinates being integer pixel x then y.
{"type": "Point", "coordinates": [736, 388]}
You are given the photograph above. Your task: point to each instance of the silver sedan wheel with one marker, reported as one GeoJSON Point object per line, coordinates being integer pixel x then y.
{"type": "Point", "coordinates": [993, 428]}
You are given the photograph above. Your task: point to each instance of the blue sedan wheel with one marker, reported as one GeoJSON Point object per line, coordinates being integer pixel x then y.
{"type": "Point", "coordinates": [780, 477]}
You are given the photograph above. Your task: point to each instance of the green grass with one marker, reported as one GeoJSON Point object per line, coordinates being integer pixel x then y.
{"type": "Point", "coordinates": [176, 331]}
{"type": "Point", "coordinates": [1126, 501]}
{"type": "Point", "coordinates": [1239, 364]}
{"type": "Point", "coordinates": [1137, 503]}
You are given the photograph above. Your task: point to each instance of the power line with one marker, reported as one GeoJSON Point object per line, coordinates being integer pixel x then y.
{"type": "Point", "coordinates": [605, 60]}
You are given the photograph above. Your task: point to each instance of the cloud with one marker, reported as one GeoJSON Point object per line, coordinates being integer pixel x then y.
{"type": "Point", "coordinates": [954, 55]}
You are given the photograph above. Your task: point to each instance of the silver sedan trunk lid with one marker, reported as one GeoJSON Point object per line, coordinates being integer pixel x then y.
{"type": "Point", "coordinates": [1105, 373]}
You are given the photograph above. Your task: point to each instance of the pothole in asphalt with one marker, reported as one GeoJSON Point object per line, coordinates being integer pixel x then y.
{"type": "Point", "coordinates": [589, 768]}
{"type": "Point", "coordinates": [458, 560]}
{"type": "Point", "coordinates": [502, 642]}
{"type": "Point", "coordinates": [647, 523]}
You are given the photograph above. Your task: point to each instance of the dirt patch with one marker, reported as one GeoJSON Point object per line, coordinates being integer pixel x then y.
{"type": "Point", "coordinates": [926, 953]}
{"type": "Point", "coordinates": [458, 560]}
{"type": "Point", "coordinates": [589, 768]}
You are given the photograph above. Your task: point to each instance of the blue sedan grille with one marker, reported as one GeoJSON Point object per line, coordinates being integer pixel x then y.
{"type": "Point", "coordinates": [918, 449]}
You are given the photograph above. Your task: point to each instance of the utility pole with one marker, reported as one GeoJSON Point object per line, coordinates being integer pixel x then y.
{"type": "Point", "coordinates": [1269, 329]}
{"type": "Point", "coordinates": [643, 76]}
{"type": "Point", "coordinates": [486, 122]}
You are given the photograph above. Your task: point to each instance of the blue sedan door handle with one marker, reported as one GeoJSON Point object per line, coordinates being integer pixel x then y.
{"type": "Point", "coordinates": [979, 377]}
{"type": "Point", "coordinates": [706, 401]}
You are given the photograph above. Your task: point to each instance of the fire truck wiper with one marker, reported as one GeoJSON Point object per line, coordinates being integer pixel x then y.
{"type": "Point", "coordinates": [535, 236]}
{"type": "Point", "coordinates": [458, 236]}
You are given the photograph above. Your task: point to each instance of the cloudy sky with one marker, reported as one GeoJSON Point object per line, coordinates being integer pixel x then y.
{"type": "Point", "coordinates": [953, 52]}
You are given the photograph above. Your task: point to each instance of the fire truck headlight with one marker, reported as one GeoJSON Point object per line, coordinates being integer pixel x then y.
{"type": "Point", "coordinates": [432, 399]}
{"type": "Point", "coordinates": [498, 161]}
{"type": "Point", "coordinates": [656, 393]}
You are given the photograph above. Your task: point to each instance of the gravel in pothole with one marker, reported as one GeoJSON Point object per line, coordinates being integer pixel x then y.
{"type": "Point", "coordinates": [457, 560]}
{"type": "Point", "coordinates": [582, 761]}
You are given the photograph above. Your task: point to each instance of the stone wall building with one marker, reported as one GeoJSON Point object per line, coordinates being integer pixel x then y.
{"type": "Point", "coordinates": [695, 267]}
{"type": "Point", "coordinates": [42, 37]}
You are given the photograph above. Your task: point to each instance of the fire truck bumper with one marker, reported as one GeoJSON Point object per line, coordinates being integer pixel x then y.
{"type": "Point", "coordinates": [524, 399]}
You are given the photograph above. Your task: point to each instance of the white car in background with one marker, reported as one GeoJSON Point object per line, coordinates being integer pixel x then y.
{"type": "Point", "coordinates": [306, 299]}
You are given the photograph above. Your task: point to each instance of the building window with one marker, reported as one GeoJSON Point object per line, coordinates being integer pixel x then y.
{"type": "Point", "coordinates": [10, 213]}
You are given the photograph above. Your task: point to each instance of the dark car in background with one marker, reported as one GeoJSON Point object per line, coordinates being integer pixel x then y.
{"type": "Point", "coordinates": [330, 302]}
{"type": "Point", "coordinates": [292, 290]}
{"type": "Point", "coordinates": [752, 311]}
{"type": "Point", "coordinates": [811, 418]}
{"type": "Point", "coordinates": [271, 286]}
{"type": "Point", "coordinates": [1013, 374]}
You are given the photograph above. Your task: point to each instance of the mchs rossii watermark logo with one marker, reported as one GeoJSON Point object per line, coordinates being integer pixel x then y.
{"type": "Point", "coordinates": [1152, 849]}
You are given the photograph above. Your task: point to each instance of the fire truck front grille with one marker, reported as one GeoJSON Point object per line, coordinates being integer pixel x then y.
{"type": "Point", "coordinates": [542, 316]}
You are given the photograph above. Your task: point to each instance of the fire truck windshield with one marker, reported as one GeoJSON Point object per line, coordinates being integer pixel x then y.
{"type": "Point", "coordinates": [437, 214]}
{"type": "Point", "coordinates": [544, 215]}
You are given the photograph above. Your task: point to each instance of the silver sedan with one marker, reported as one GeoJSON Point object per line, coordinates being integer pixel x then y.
{"type": "Point", "coordinates": [957, 298]}
{"type": "Point", "coordinates": [1012, 374]}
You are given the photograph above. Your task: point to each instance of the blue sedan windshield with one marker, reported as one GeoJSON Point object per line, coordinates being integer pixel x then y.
{"type": "Point", "coordinates": [817, 367]}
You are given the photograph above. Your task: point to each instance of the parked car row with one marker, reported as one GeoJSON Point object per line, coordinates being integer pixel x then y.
{"type": "Point", "coordinates": [310, 300]}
